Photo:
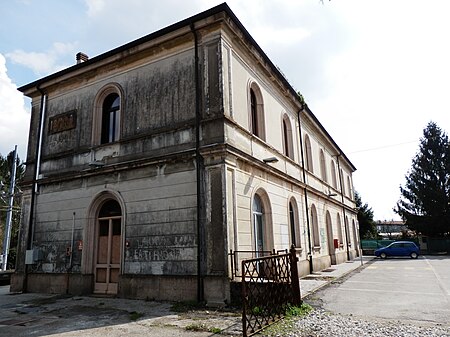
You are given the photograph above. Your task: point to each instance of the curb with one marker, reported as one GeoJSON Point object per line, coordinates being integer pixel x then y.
{"type": "Point", "coordinates": [327, 282]}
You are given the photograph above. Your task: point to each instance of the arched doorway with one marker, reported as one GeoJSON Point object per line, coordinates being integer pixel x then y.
{"type": "Point", "coordinates": [330, 240]}
{"type": "Point", "coordinates": [355, 238]}
{"type": "Point", "coordinates": [107, 247]}
{"type": "Point", "coordinates": [315, 228]}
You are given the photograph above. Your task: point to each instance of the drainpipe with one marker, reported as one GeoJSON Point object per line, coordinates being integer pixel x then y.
{"type": "Point", "coordinates": [34, 190]}
{"type": "Point", "coordinates": [310, 255]}
{"type": "Point", "coordinates": [70, 252]}
{"type": "Point", "coordinates": [343, 206]}
{"type": "Point", "coordinates": [199, 166]}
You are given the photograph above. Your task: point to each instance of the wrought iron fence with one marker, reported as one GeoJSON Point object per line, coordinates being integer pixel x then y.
{"type": "Point", "coordinates": [237, 256]}
{"type": "Point", "coordinates": [269, 285]}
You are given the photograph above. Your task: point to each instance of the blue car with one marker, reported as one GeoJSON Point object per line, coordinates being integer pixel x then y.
{"type": "Point", "coordinates": [399, 248]}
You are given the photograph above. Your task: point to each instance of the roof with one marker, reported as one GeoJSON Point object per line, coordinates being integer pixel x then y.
{"type": "Point", "coordinates": [181, 24]}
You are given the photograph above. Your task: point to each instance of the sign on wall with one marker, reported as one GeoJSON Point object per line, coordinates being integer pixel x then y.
{"type": "Point", "coordinates": [63, 122]}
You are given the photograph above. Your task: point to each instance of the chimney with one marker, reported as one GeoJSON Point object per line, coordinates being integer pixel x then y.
{"type": "Point", "coordinates": [81, 57]}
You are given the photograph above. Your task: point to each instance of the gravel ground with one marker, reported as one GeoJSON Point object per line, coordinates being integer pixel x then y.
{"type": "Point", "coordinates": [320, 323]}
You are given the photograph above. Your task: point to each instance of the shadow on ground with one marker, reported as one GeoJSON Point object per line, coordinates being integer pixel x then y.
{"type": "Point", "coordinates": [46, 315]}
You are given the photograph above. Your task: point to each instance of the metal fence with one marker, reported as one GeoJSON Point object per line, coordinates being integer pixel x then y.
{"type": "Point", "coordinates": [438, 245]}
{"type": "Point", "coordinates": [237, 256]}
{"type": "Point", "coordinates": [269, 285]}
{"type": "Point", "coordinates": [375, 244]}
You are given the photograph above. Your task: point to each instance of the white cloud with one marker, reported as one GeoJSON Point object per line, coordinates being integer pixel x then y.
{"type": "Point", "coordinates": [94, 6]}
{"type": "Point", "coordinates": [43, 63]}
{"type": "Point", "coordinates": [374, 72]}
{"type": "Point", "coordinates": [14, 119]}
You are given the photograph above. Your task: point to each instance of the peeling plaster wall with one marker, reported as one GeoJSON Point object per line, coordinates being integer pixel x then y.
{"type": "Point", "coordinates": [160, 219]}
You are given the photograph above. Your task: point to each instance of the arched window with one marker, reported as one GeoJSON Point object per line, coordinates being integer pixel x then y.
{"type": "Point", "coordinates": [339, 229]}
{"type": "Point", "coordinates": [294, 228]}
{"type": "Point", "coordinates": [109, 209]}
{"type": "Point", "coordinates": [107, 115]}
{"type": "Point", "coordinates": [323, 166]}
{"type": "Point", "coordinates": [258, 224]}
{"type": "Point", "coordinates": [288, 147]}
{"type": "Point", "coordinates": [110, 119]}
{"type": "Point", "coordinates": [333, 174]}
{"type": "Point", "coordinates": [315, 226]}
{"type": "Point", "coordinates": [256, 111]}
{"type": "Point", "coordinates": [349, 188]}
{"type": "Point", "coordinates": [308, 149]}
{"type": "Point", "coordinates": [262, 223]}
{"type": "Point", "coordinates": [341, 181]}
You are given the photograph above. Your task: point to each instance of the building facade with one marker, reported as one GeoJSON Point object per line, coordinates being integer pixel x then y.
{"type": "Point", "coordinates": [147, 165]}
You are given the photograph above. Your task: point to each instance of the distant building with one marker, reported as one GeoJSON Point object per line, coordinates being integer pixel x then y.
{"type": "Point", "coordinates": [149, 163]}
{"type": "Point", "coordinates": [390, 229]}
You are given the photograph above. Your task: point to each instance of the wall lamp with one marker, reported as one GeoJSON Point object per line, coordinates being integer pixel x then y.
{"type": "Point", "coordinates": [270, 160]}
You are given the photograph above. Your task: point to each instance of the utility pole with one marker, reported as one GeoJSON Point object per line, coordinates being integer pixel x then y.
{"type": "Point", "coordinates": [7, 238]}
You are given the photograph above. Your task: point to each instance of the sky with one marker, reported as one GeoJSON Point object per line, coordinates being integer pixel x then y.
{"type": "Point", "coordinates": [374, 72]}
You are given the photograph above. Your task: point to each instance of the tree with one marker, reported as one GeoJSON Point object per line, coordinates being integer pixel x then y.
{"type": "Point", "coordinates": [367, 227]}
{"type": "Point", "coordinates": [425, 198]}
{"type": "Point", "coordinates": [5, 180]}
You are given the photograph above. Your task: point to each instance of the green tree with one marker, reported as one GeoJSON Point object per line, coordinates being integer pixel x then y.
{"type": "Point", "coordinates": [367, 227]}
{"type": "Point", "coordinates": [425, 198]}
{"type": "Point", "coordinates": [5, 180]}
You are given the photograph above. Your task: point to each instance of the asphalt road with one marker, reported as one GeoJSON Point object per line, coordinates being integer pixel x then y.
{"type": "Point", "coordinates": [395, 288]}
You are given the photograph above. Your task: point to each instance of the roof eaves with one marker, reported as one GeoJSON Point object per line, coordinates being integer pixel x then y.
{"type": "Point", "coordinates": [314, 118]}
{"type": "Point", "coordinates": [178, 25]}
{"type": "Point", "coordinates": [186, 22]}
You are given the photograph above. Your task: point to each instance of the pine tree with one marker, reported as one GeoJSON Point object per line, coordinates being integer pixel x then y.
{"type": "Point", "coordinates": [425, 198]}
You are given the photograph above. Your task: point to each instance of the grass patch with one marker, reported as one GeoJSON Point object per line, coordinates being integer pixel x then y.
{"type": "Point", "coordinates": [215, 330]}
{"type": "Point", "coordinates": [134, 316]}
{"type": "Point", "coordinates": [196, 327]}
{"type": "Point", "coordinates": [302, 310]}
{"type": "Point", "coordinates": [285, 326]}
{"type": "Point", "coordinates": [203, 327]}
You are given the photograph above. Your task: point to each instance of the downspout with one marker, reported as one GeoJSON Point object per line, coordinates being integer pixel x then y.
{"type": "Point", "coordinates": [310, 257]}
{"type": "Point", "coordinates": [70, 252]}
{"type": "Point", "coordinates": [343, 207]}
{"type": "Point", "coordinates": [199, 165]}
{"type": "Point", "coordinates": [34, 190]}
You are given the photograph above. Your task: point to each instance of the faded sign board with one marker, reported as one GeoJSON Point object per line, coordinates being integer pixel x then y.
{"type": "Point", "coordinates": [63, 122]}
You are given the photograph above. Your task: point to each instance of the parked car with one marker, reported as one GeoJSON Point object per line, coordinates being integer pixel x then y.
{"type": "Point", "coordinates": [399, 248]}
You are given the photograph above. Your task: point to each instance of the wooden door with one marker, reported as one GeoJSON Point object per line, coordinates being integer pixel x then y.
{"type": "Point", "coordinates": [107, 260]}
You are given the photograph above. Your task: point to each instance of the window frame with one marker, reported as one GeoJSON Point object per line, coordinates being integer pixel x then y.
{"type": "Point", "coordinates": [256, 111]}
{"type": "Point", "coordinates": [315, 227]}
{"type": "Point", "coordinates": [110, 128]}
{"type": "Point", "coordinates": [287, 135]}
{"type": "Point", "coordinates": [102, 95]}
{"type": "Point", "coordinates": [309, 158]}
{"type": "Point", "coordinates": [323, 166]}
{"type": "Point", "coordinates": [293, 221]}
{"type": "Point", "coordinates": [333, 174]}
